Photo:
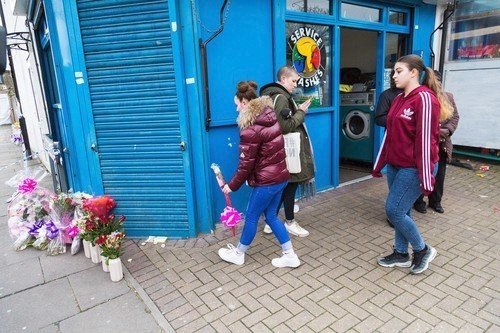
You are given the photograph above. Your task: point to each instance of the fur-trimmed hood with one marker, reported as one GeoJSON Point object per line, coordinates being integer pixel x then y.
{"type": "Point", "coordinates": [252, 113]}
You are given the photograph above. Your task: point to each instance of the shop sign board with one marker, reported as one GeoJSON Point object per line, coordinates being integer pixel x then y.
{"type": "Point", "coordinates": [306, 44]}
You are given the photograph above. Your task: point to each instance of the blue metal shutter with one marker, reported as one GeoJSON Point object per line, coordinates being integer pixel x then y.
{"type": "Point", "coordinates": [129, 61]}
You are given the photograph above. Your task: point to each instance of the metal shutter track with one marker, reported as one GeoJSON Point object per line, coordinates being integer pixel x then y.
{"type": "Point", "coordinates": [128, 54]}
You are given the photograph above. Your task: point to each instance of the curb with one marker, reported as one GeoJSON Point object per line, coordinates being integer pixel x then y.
{"type": "Point", "coordinates": [155, 312]}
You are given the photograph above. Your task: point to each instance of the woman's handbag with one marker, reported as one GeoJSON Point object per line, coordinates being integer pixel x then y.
{"type": "Point", "coordinates": [292, 150]}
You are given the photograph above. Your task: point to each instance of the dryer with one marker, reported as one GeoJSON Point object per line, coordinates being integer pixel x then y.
{"type": "Point", "coordinates": [357, 118]}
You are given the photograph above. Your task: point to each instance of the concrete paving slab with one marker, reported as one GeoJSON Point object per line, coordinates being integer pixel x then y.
{"type": "Point", "coordinates": [38, 307]}
{"type": "Point", "coordinates": [94, 286]}
{"type": "Point", "coordinates": [126, 313]}
{"type": "Point", "coordinates": [55, 267]}
{"type": "Point", "coordinates": [49, 329]}
{"type": "Point", "coordinates": [20, 276]}
{"type": "Point", "coordinates": [8, 255]}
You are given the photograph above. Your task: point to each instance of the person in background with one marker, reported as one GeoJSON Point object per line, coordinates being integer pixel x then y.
{"type": "Point", "coordinates": [446, 130]}
{"type": "Point", "coordinates": [383, 105]}
{"type": "Point", "coordinates": [292, 119]}
{"type": "Point", "coordinates": [410, 151]}
{"type": "Point", "coordinates": [384, 102]}
{"type": "Point", "coordinates": [262, 164]}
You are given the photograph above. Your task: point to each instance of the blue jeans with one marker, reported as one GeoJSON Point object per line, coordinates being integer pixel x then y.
{"type": "Point", "coordinates": [404, 189]}
{"type": "Point", "coordinates": [264, 200]}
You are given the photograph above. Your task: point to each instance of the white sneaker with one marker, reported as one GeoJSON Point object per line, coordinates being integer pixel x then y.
{"type": "Point", "coordinates": [286, 260]}
{"type": "Point", "coordinates": [295, 229]}
{"type": "Point", "coordinates": [232, 255]}
{"type": "Point", "coordinates": [267, 229]}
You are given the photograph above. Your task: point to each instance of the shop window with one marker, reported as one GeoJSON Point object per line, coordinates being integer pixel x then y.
{"type": "Point", "coordinates": [310, 6]}
{"type": "Point", "coordinates": [361, 13]}
{"type": "Point", "coordinates": [474, 33]}
{"type": "Point", "coordinates": [309, 51]}
{"type": "Point", "coordinates": [398, 18]}
{"type": "Point", "coordinates": [395, 48]}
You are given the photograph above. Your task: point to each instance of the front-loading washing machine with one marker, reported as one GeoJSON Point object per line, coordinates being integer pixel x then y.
{"type": "Point", "coordinates": [357, 117]}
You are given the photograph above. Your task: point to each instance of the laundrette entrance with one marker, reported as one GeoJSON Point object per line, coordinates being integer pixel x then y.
{"type": "Point", "coordinates": [358, 66]}
{"type": "Point", "coordinates": [360, 62]}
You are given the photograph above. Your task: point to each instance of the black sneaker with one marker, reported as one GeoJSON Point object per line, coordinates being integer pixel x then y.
{"type": "Point", "coordinates": [420, 207]}
{"type": "Point", "coordinates": [437, 208]}
{"type": "Point", "coordinates": [421, 259]}
{"type": "Point", "coordinates": [395, 259]}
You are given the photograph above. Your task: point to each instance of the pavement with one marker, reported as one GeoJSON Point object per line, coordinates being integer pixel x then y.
{"type": "Point", "coordinates": [183, 286]}
{"type": "Point", "coordinates": [63, 293]}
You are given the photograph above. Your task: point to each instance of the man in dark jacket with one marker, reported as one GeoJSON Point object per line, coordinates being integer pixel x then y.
{"type": "Point", "coordinates": [291, 119]}
{"type": "Point", "coordinates": [384, 102]}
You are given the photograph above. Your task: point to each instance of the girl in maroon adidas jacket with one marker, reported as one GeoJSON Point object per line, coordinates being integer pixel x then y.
{"type": "Point", "coordinates": [410, 152]}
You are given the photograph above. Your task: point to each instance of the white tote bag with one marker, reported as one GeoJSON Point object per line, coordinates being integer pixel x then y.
{"type": "Point", "coordinates": [292, 149]}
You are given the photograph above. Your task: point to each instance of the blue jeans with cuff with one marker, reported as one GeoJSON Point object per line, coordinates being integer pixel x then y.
{"type": "Point", "coordinates": [404, 189]}
{"type": "Point", "coordinates": [264, 200]}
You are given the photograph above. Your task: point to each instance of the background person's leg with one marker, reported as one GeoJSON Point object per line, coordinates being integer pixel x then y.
{"type": "Point", "coordinates": [437, 194]}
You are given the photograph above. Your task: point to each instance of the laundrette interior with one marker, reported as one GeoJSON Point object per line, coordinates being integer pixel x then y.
{"type": "Point", "coordinates": [358, 61]}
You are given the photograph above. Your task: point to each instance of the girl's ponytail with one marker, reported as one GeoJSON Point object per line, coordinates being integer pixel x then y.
{"type": "Point", "coordinates": [431, 81]}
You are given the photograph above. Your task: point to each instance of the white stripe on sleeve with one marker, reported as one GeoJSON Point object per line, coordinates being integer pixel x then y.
{"type": "Point", "coordinates": [426, 140]}
{"type": "Point", "coordinates": [380, 150]}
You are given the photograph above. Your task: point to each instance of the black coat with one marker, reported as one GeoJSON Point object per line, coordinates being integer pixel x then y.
{"type": "Point", "coordinates": [384, 104]}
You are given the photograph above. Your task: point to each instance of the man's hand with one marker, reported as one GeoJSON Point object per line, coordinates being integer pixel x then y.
{"type": "Point", "coordinates": [226, 189]}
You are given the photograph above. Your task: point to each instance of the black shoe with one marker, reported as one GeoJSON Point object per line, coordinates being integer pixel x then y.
{"type": "Point", "coordinates": [437, 208]}
{"type": "Point", "coordinates": [421, 259]}
{"type": "Point", "coordinates": [390, 224]}
{"type": "Point", "coordinates": [395, 259]}
{"type": "Point", "coordinates": [420, 207]}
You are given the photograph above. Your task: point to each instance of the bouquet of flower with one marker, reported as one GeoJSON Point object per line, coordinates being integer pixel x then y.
{"type": "Point", "coordinates": [229, 217]}
{"type": "Point", "coordinates": [28, 211]}
{"type": "Point", "coordinates": [111, 244]}
{"type": "Point", "coordinates": [62, 213]}
{"type": "Point", "coordinates": [77, 226]}
{"type": "Point", "coordinates": [99, 207]}
{"type": "Point", "coordinates": [16, 136]}
{"type": "Point", "coordinates": [97, 219]}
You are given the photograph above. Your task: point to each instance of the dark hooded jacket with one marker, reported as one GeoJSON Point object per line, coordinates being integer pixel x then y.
{"type": "Point", "coordinates": [450, 124]}
{"type": "Point", "coordinates": [262, 148]}
{"type": "Point", "coordinates": [292, 123]}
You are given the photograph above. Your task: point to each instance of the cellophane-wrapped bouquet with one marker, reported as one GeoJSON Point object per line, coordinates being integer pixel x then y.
{"type": "Point", "coordinates": [29, 220]}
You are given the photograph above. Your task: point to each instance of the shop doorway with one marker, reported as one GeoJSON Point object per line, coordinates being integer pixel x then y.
{"type": "Point", "coordinates": [358, 65]}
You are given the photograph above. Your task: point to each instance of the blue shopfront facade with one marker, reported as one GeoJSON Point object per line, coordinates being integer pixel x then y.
{"type": "Point", "coordinates": [140, 117]}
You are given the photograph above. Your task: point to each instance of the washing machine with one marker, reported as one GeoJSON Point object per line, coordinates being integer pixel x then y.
{"type": "Point", "coordinates": [357, 118]}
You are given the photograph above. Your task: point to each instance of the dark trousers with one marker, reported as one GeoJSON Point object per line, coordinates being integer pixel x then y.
{"type": "Point", "coordinates": [288, 200]}
{"type": "Point", "coordinates": [437, 194]}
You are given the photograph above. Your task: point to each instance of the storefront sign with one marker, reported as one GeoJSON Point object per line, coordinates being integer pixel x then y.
{"type": "Point", "coordinates": [306, 45]}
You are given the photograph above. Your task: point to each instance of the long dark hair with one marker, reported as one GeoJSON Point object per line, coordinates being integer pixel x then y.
{"type": "Point", "coordinates": [429, 79]}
